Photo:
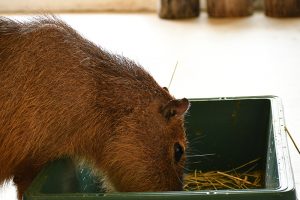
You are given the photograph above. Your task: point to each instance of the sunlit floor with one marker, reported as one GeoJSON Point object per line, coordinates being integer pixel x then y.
{"type": "Point", "coordinates": [216, 58]}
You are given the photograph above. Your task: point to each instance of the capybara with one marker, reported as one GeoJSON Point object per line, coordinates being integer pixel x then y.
{"type": "Point", "coordinates": [63, 96]}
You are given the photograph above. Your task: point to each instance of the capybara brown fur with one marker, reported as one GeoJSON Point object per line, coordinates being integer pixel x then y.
{"type": "Point", "coordinates": [63, 96]}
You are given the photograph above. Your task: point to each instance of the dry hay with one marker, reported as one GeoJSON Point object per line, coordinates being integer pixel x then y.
{"type": "Point", "coordinates": [242, 177]}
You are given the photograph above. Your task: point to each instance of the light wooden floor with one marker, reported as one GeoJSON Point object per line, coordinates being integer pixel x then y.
{"type": "Point", "coordinates": [216, 57]}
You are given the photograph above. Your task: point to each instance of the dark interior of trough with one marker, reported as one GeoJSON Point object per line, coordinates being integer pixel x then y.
{"type": "Point", "coordinates": [232, 132]}
{"type": "Point", "coordinates": [228, 133]}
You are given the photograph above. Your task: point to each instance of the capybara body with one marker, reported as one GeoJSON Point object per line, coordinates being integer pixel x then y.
{"type": "Point", "coordinates": [61, 95]}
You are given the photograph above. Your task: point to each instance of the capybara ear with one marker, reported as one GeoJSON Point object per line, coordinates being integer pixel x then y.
{"type": "Point", "coordinates": [165, 88]}
{"type": "Point", "coordinates": [175, 107]}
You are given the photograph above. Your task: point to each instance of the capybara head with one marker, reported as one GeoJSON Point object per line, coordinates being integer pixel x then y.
{"type": "Point", "coordinates": [62, 95]}
{"type": "Point", "coordinates": [148, 153]}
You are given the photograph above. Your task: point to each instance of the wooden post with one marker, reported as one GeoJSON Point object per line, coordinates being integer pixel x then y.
{"type": "Point", "coordinates": [179, 9]}
{"type": "Point", "coordinates": [229, 8]}
{"type": "Point", "coordinates": [282, 8]}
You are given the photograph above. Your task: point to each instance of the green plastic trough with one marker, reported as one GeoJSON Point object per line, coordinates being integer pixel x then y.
{"type": "Point", "coordinates": [234, 130]}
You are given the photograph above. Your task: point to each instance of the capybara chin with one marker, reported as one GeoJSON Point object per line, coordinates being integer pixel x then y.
{"type": "Point", "coordinates": [61, 95]}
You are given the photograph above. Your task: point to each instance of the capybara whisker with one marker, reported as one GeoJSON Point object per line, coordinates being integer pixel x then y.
{"type": "Point", "coordinates": [201, 155]}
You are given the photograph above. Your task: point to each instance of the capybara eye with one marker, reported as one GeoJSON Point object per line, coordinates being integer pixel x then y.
{"type": "Point", "coordinates": [178, 152]}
